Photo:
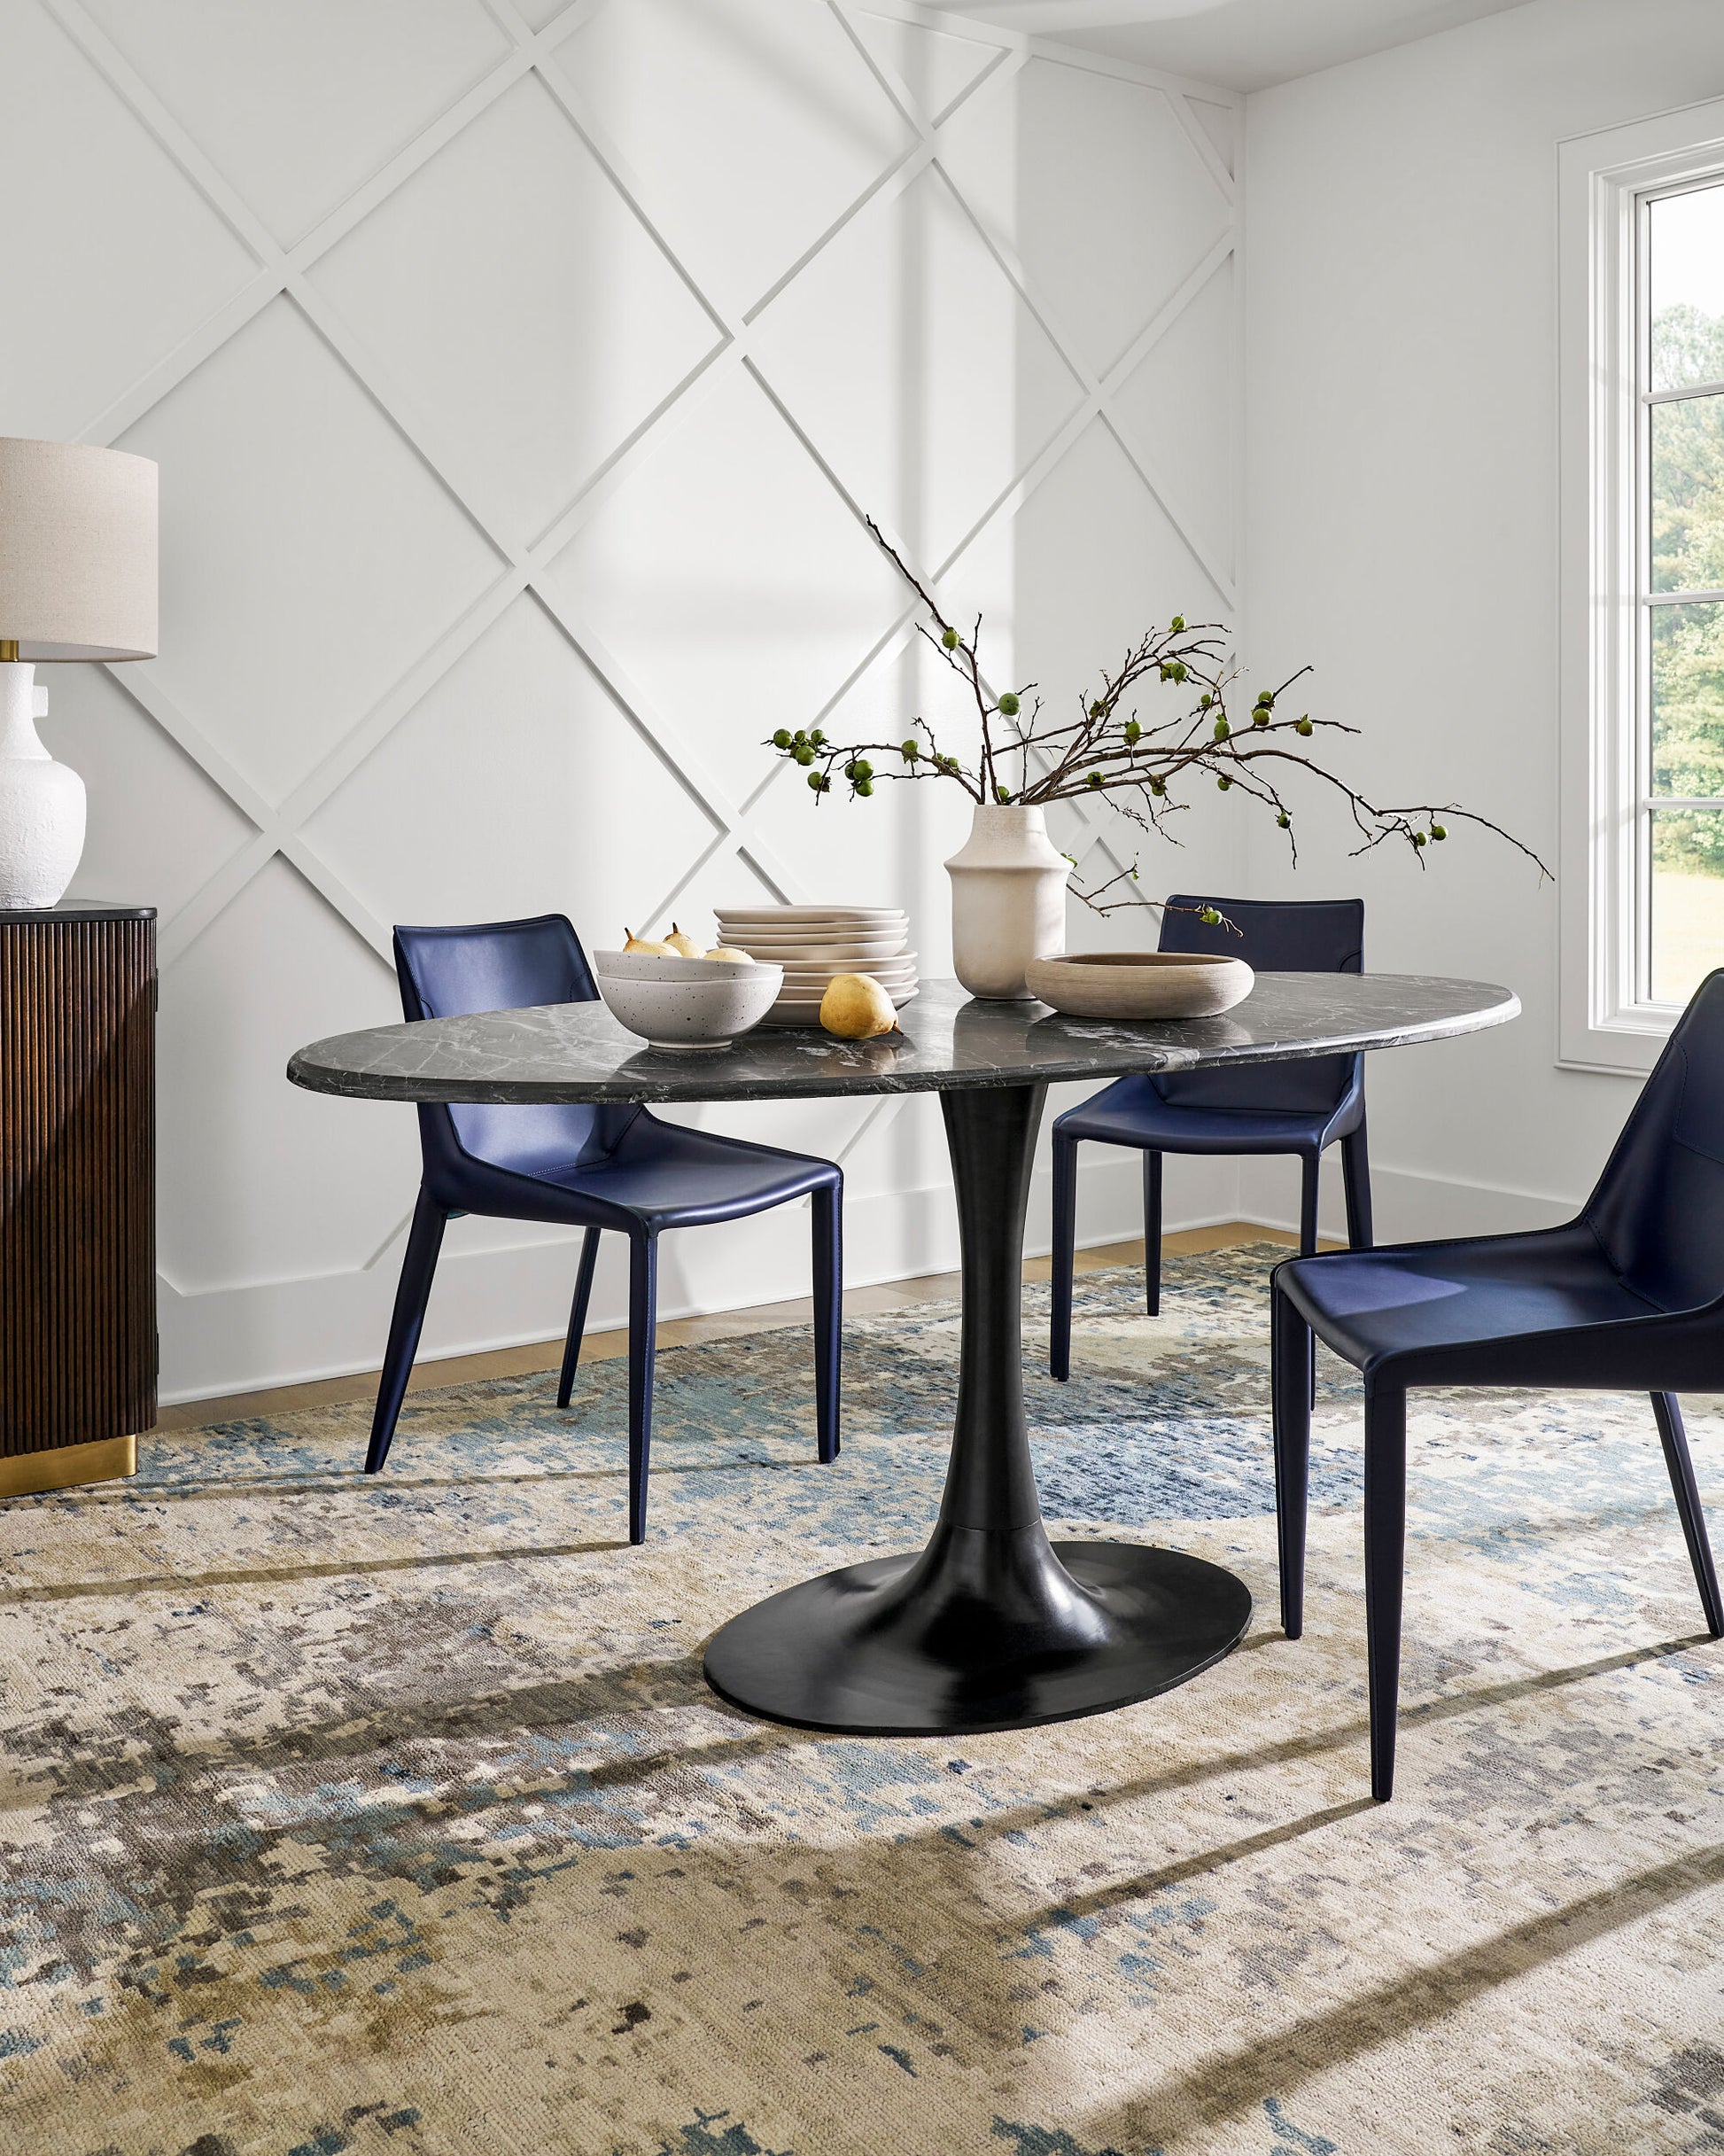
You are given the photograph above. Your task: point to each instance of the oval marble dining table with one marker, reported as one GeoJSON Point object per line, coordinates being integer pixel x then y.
{"type": "Point", "coordinates": [991, 1626]}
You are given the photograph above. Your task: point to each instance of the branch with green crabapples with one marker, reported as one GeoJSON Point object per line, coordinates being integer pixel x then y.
{"type": "Point", "coordinates": [1024, 757]}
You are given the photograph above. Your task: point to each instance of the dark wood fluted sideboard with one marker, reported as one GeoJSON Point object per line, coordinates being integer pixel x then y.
{"type": "Point", "coordinates": [77, 1192]}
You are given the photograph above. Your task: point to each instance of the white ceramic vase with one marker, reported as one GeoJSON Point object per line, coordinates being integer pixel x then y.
{"type": "Point", "coordinates": [42, 802]}
{"type": "Point", "coordinates": [1008, 901]}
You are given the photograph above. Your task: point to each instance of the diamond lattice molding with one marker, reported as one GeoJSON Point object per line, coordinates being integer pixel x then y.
{"type": "Point", "coordinates": [737, 819]}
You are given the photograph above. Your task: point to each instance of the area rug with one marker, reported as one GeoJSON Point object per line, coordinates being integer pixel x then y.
{"type": "Point", "coordinates": [393, 1815]}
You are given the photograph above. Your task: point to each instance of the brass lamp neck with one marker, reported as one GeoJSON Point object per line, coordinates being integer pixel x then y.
{"type": "Point", "coordinates": [8, 650]}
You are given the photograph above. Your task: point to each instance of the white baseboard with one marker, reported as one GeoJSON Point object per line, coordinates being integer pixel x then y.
{"type": "Point", "coordinates": [1407, 1207]}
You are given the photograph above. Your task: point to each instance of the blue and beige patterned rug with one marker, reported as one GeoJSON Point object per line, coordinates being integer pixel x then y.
{"type": "Point", "coordinates": [392, 1815]}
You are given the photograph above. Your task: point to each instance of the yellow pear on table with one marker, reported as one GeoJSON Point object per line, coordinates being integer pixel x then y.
{"type": "Point", "coordinates": [732, 957]}
{"type": "Point", "coordinates": [857, 1009]}
{"type": "Point", "coordinates": [681, 946]}
{"type": "Point", "coordinates": [643, 947]}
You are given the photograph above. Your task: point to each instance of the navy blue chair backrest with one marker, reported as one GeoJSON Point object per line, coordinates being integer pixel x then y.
{"type": "Point", "coordinates": [502, 965]}
{"type": "Point", "coordinates": [1277, 936]}
{"type": "Point", "coordinates": [1658, 1207]}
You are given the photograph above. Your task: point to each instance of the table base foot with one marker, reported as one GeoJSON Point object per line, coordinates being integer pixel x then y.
{"type": "Point", "coordinates": [981, 1631]}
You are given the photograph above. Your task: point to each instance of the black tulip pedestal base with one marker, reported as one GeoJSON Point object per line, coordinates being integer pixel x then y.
{"type": "Point", "coordinates": [918, 1646]}
{"type": "Point", "coordinates": [991, 1626]}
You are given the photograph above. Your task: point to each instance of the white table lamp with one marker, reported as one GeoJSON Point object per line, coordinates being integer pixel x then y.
{"type": "Point", "coordinates": [77, 581]}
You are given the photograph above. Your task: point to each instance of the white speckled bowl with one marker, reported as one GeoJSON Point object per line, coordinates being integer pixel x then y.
{"type": "Point", "coordinates": [1139, 984]}
{"type": "Point", "coordinates": [646, 966]}
{"type": "Point", "coordinates": [686, 1002]}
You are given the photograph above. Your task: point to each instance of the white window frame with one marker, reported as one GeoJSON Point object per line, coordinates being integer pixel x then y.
{"type": "Point", "coordinates": [1604, 1021]}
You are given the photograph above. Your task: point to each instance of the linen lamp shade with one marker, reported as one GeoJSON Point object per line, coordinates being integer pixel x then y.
{"type": "Point", "coordinates": [77, 551]}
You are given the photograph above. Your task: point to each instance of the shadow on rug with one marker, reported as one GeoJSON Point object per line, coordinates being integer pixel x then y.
{"type": "Point", "coordinates": [392, 1814]}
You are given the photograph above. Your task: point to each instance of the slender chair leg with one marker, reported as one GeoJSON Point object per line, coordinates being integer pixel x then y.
{"type": "Point", "coordinates": [424, 1241]}
{"type": "Point", "coordinates": [1153, 1233]}
{"type": "Point", "coordinates": [829, 1313]}
{"type": "Point", "coordinates": [589, 1254]}
{"type": "Point", "coordinates": [1385, 1558]}
{"type": "Point", "coordinates": [1065, 1238]}
{"type": "Point", "coordinates": [1310, 1168]}
{"type": "Point", "coordinates": [1309, 1174]}
{"type": "Point", "coordinates": [1290, 1355]}
{"type": "Point", "coordinates": [1674, 1437]}
{"type": "Point", "coordinates": [1355, 1174]}
{"type": "Point", "coordinates": [642, 1321]}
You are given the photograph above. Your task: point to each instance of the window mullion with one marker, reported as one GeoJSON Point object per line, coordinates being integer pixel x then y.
{"type": "Point", "coordinates": [1681, 394]}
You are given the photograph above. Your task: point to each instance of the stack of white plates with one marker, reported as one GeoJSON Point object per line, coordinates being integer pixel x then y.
{"type": "Point", "coordinates": [812, 943]}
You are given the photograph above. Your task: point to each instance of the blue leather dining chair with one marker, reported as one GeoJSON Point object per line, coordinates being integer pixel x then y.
{"type": "Point", "coordinates": [1301, 1107]}
{"type": "Point", "coordinates": [591, 1167]}
{"type": "Point", "coordinates": [1626, 1297]}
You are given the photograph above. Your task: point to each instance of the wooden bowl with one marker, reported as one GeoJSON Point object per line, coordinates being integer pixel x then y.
{"type": "Point", "coordinates": [1139, 984]}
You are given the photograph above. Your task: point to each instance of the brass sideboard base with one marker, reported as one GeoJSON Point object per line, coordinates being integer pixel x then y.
{"type": "Point", "coordinates": [63, 1466]}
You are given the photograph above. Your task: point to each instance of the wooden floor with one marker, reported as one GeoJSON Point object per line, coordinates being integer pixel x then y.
{"type": "Point", "coordinates": [680, 1332]}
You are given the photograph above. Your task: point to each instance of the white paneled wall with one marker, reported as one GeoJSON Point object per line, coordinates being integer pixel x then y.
{"type": "Point", "coordinates": [519, 373]}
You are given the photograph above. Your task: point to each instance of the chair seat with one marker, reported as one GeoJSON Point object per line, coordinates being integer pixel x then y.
{"type": "Point", "coordinates": [1131, 1112]}
{"type": "Point", "coordinates": [662, 1173]}
{"type": "Point", "coordinates": [604, 1168]}
{"type": "Point", "coordinates": [1369, 1305]}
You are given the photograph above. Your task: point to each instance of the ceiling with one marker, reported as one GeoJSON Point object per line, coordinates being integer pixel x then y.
{"type": "Point", "coordinates": [1242, 45]}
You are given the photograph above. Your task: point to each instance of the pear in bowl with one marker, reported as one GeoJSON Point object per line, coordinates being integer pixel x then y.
{"type": "Point", "coordinates": [676, 945]}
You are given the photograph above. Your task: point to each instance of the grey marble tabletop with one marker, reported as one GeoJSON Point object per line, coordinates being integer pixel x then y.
{"type": "Point", "coordinates": [578, 1052]}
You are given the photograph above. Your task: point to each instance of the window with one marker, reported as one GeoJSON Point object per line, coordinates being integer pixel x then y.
{"type": "Point", "coordinates": [1679, 826]}
{"type": "Point", "coordinates": [1642, 330]}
